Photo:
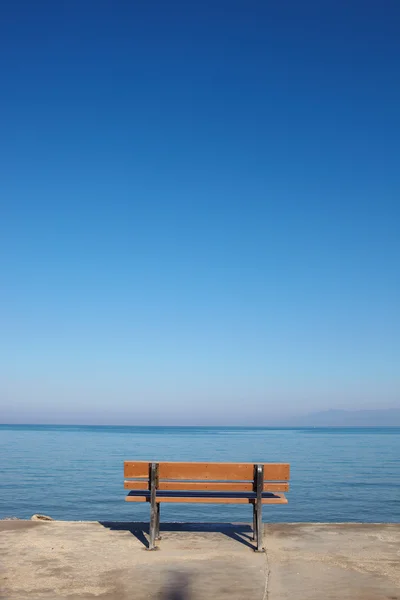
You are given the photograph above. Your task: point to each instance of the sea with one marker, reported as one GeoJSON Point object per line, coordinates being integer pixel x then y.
{"type": "Point", "coordinates": [76, 472]}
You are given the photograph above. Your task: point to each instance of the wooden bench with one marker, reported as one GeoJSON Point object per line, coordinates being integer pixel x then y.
{"type": "Point", "coordinates": [217, 483]}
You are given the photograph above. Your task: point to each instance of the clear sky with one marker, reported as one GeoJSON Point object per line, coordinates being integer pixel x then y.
{"type": "Point", "coordinates": [200, 210]}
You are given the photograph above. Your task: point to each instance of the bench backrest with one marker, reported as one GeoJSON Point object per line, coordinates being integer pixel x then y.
{"type": "Point", "coordinates": [206, 476]}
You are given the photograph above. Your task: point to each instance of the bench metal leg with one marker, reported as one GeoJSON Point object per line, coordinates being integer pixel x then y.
{"type": "Point", "coordinates": [260, 547]}
{"type": "Point", "coordinates": [259, 488]}
{"type": "Point", "coordinates": [153, 525]}
{"type": "Point", "coordinates": [254, 522]}
{"type": "Point", "coordinates": [158, 536]}
{"type": "Point", "coordinates": [153, 505]}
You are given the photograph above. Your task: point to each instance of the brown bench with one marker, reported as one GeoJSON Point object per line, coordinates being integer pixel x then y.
{"type": "Point", "coordinates": [217, 483]}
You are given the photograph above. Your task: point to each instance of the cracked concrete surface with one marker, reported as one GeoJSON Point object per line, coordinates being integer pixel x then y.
{"type": "Point", "coordinates": [82, 561]}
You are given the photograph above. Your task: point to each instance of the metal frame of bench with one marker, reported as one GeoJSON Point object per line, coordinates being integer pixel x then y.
{"type": "Point", "coordinates": [227, 483]}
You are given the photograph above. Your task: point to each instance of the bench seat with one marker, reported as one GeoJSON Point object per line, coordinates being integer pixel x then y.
{"type": "Point", "coordinates": [206, 497]}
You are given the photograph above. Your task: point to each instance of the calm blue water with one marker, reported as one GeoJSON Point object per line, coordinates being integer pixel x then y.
{"type": "Point", "coordinates": [76, 472]}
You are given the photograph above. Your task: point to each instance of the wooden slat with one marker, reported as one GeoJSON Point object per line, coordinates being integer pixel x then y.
{"type": "Point", "coordinates": [208, 471]}
{"type": "Point", "coordinates": [279, 499]}
{"type": "Point", "coordinates": [205, 486]}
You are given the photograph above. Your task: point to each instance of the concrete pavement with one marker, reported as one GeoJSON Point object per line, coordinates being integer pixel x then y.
{"type": "Point", "coordinates": [82, 561]}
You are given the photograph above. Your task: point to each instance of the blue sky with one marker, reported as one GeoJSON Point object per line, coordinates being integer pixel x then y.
{"type": "Point", "coordinates": [199, 210]}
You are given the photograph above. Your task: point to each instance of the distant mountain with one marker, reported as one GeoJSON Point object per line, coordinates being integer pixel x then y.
{"type": "Point", "coordinates": [350, 418]}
